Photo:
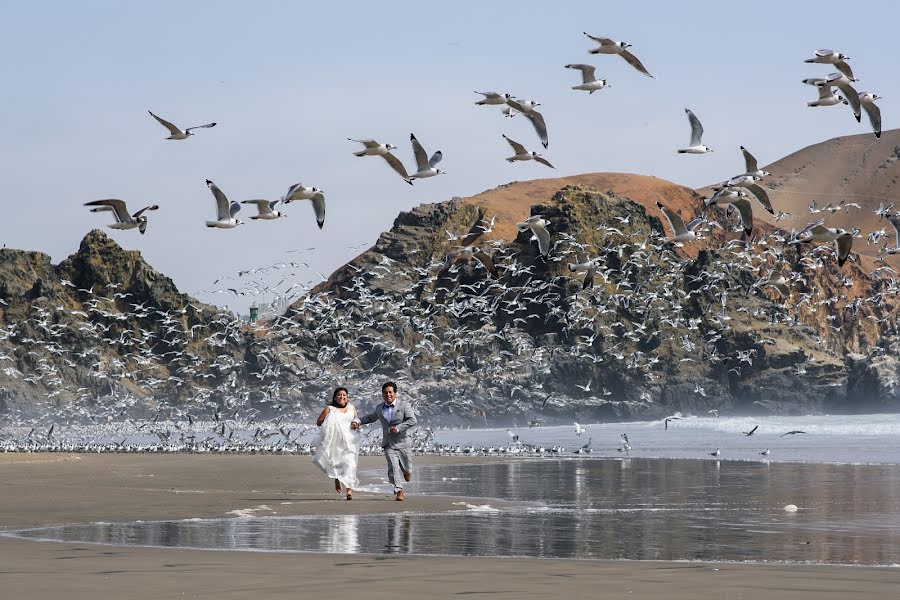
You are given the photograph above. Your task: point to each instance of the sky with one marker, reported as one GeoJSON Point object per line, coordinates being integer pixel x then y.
{"type": "Point", "coordinates": [289, 82]}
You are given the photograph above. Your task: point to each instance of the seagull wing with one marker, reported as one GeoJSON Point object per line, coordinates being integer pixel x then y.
{"type": "Point", "coordinates": [825, 92]}
{"type": "Point", "coordinates": [895, 221]}
{"type": "Point", "coordinates": [819, 82]}
{"type": "Point", "coordinates": [844, 68]}
{"type": "Point", "coordinates": [207, 126]}
{"type": "Point", "coordinates": [396, 165]}
{"type": "Point", "coordinates": [367, 143]}
{"type": "Point", "coordinates": [264, 206]}
{"type": "Point", "coordinates": [419, 152]}
{"type": "Point", "coordinates": [172, 129]}
{"type": "Point", "coordinates": [318, 202]}
{"type": "Point", "coordinates": [143, 210]}
{"type": "Point", "coordinates": [537, 119]}
{"type": "Point", "coordinates": [674, 219]}
{"type": "Point", "coordinates": [516, 146]}
{"type": "Point", "coordinates": [115, 205]}
{"type": "Point", "coordinates": [435, 158]}
{"type": "Point", "coordinates": [632, 60]}
{"type": "Point", "coordinates": [746, 212]}
{"type": "Point", "coordinates": [749, 161]}
{"type": "Point", "coordinates": [694, 223]}
{"type": "Point", "coordinates": [221, 201]}
{"type": "Point", "coordinates": [297, 187]}
{"type": "Point", "coordinates": [234, 209]}
{"type": "Point", "coordinates": [761, 195]}
{"type": "Point", "coordinates": [485, 259]}
{"type": "Point", "coordinates": [874, 114]}
{"type": "Point", "coordinates": [696, 128]}
{"type": "Point", "coordinates": [844, 244]}
{"type": "Point", "coordinates": [587, 72]}
{"type": "Point", "coordinates": [852, 97]}
{"type": "Point", "coordinates": [543, 237]}
{"type": "Point", "coordinates": [543, 161]}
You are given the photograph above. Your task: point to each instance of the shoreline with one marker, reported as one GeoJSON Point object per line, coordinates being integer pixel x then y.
{"type": "Point", "coordinates": [47, 490]}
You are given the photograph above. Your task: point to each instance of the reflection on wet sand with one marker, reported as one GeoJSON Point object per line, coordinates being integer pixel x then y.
{"type": "Point", "coordinates": [631, 509]}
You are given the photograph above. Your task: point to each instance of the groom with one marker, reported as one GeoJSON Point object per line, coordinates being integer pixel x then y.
{"type": "Point", "coordinates": [397, 420]}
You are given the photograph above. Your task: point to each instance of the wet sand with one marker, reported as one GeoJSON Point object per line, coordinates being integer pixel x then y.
{"type": "Point", "coordinates": [52, 489]}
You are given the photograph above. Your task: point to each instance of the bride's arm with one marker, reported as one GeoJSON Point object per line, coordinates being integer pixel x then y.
{"type": "Point", "coordinates": [322, 416]}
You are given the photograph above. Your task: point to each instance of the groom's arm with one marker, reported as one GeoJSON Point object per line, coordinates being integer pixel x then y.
{"type": "Point", "coordinates": [369, 418]}
{"type": "Point", "coordinates": [409, 419]}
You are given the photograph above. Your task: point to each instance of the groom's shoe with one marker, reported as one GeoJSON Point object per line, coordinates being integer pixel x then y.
{"type": "Point", "coordinates": [400, 496]}
{"type": "Point", "coordinates": [407, 476]}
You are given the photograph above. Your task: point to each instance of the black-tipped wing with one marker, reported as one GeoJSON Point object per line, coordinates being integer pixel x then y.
{"type": "Point", "coordinates": [143, 210]}
{"type": "Point", "coordinates": [234, 209]}
{"type": "Point", "coordinates": [874, 114]}
{"type": "Point", "coordinates": [318, 202]}
{"type": "Point", "coordinates": [746, 212]}
{"type": "Point", "coordinates": [114, 204]}
{"type": "Point", "coordinates": [516, 146]}
{"type": "Point", "coordinates": [587, 72]}
{"type": "Point", "coordinates": [844, 243]}
{"type": "Point", "coordinates": [674, 219]}
{"type": "Point", "coordinates": [761, 195]}
{"type": "Point", "coordinates": [172, 129]}
{"type": "Point", "coordinates": [543, 161]}
{"type": "Point", "coordinates": [537, 119]}
{"type": "Point", "coordinates": [419, 153]}
{"type": "Point", "coordinates": [435, 158]}
{"type": "Point", "coordinates": [207, 126]}
{"type": "Point", "coordinates": [749, 161]}
{"type": "Point", "coordinates": [222, 208]}
{"type": "Point", "coordinates": [396, 165]}
{"type": "Point", "coordinates": [696, 127]}
{"type": "Point", "coordinates": [844, 68]}
{"type": "Point", "coordinates": [485, 259]}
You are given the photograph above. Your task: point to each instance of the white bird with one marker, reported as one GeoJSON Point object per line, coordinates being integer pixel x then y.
{"type": "Point", "coordinates": [492, 98]}
{"type": "Point", "coordinates": [751, 166]}
{"type": "Point", "coordinates": [536, 118]}
{"type": "Point", "coordinates": [465, 255]}
{"type": "Point", "coordinates": [427, 167]}
{"type": "Point", "coordinates": [225, 213]}
{"type": "Point", "coordinates": [749, 182]}
{"type": "Point", "coordinates": [374, 148]}
{"type": "Point", "coordinates": [827, 97]}
{"type": "Point", "coordinates": [522, 154]}
{"type": "Point", "coordinates": [608, 46]}
{"type": "Point", "coordinates": [585, 265]}
{"type": "Point", "coordinates": [842, 82]}
{"type": "Point", "coordinates": [589, 82]}
{"type": "Point", "coordinates": [830, 57]}
{"type": "Point", "coordinates": [680, 231]}
{"type": "Point", "coordinates": [817, 232]}
{"type": "Point", "coordinates": [867, 101]}
{"type": "Point", "coordinates": [314, 194]}
{"type": "Point", "coordinates": [124, 220]}
{"type": "Point", "coordinates": [538, 227]}
{"type": "Point", "coordinates": [579, 429]}
{"type": "Point", "coordinates": [586, 387]}
{"type": "Point", "coordinates": [741, 204]}
{"type": "Point", "coordinates": [265, 209]}
{"type": "Point", "coordinates": [696, 146]}
{"type": "Point", "coordinates": [713, 412]}
{"type": "Point", "coordinates": [175, 132]}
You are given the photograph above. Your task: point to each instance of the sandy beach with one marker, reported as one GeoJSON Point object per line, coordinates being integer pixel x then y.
{"type": "Point", "coordinates": [52, 489]}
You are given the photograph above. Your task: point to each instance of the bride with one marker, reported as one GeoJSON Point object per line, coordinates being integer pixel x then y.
{"type": "Point", "coordinates": [337, 446]}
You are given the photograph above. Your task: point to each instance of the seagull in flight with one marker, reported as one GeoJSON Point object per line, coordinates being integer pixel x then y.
{"type": "Point", "coordinates": [427, 167]}
{"type": "Point", "coordinates": [867, 101]}
{"type": "Point", "coordinates": [522, 154]}
{"type": "Point", "coordinates": [226, 213]}
{"type": "Point", "coordinates": [608, 46]}
{"type": "Point", "coordinates": [374, 148]}
{"type": "Point", "coordinates": [751, 432]}
{"type": "Point", "coordinates": [538, 227]}
{"type": "Point", "coordinates": [120, 212]}
{"type": "Point", "coordinates": [492, 98]}
{"type": "Point", "coordinates": [817, 232]}
{"type": "Point", "coordinates": [317, 196]}
{"type": "Point", "coordinates": [672, 418]}
{"type": "Point", "coordinates": [589, 83]}
{"type": "Point", "coordinates": [791, 433]}
{"type": "Point", "coordinates": [696, 146]}
{"type": "Point", "coordinates": [536, 118]}
{"type": "Point", "coordinates": [680, 231]}
{"type": "Point", "coordinates": [579, 429]}
{"type": "Point", "coordinates": [830, 57]}
{"type": "Point", "coordinates": [175, 132]}
{"type": "Point", "coordinates": [265, 209]}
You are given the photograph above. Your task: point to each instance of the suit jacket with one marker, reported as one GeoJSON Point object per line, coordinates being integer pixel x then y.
{"type": "Point", "coordinates": [404, 419]}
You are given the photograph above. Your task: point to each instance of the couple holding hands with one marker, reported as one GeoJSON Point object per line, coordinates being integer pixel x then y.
{"type": "Point", "coordinates": [337, 445]}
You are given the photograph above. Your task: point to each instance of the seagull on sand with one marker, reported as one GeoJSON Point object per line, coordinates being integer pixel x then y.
{"type": "Point", "coordinates": [538, 227]}
{"type": "Point", "coordinates": [830, 57]}
{"type": "Point", "coordinates": [226, 212]}
{"type": "Point", "coordinates": [265, 210]}
{"type": "Point", "coordinates": [492, 98]}
{"type": "Point", "coordinates": [374, 148]}
{"type": "Point", "coordinates": [867, 101]}
{"type": "Point", "coordinates": [426, 166]}
{"type": "Point", "coordinates": [124, 220]}
{"type": "Point", "coordinates": [522, 154]}
{"type": "Point", "coordinates": [536, 118]}
{"type": "Point", "coordinates": [817, 232]}
{"type": "Point", "coordinates": [589, 82]}
{"type": "Point", "coordinates": [608, 46]}
{"type": "Point", "coordinates": [175, 132]}
{"type": "Point", "coordinates": [317, 196]}
{"type": "Point", "coordinates": [680, 231]}
{"type": "Point", "coordinates": [696, 146]}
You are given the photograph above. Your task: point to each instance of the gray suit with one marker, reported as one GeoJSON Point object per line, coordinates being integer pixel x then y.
{"type": "Point", "coordinates": [396, 445]}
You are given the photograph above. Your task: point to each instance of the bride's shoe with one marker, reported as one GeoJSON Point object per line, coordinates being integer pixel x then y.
{"type": "Point", "coordinates": [349, 494]}
{"type": "Point", "coordinates": [337, 486]}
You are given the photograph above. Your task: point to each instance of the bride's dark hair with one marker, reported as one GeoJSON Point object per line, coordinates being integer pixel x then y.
{"type": "Point", "coordinates": [334, 395]}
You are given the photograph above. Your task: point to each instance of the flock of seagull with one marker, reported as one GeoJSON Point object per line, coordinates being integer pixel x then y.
{"type": "Point", "coordinates": [358, 330]}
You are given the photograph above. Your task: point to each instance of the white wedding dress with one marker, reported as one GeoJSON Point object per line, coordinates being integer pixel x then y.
{"type": "Point", "coordinates": [337, 447]}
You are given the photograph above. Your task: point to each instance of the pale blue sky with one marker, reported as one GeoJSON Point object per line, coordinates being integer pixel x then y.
{"type": "Point", "coordinates": [289, 82]}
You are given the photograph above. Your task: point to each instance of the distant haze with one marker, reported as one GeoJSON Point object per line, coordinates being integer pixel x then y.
{"type": "Point", "coordinates": [288, 83]}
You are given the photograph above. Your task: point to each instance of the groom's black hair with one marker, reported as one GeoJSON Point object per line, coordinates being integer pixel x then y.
{"type": "Point", "coordinates": [388, 384]}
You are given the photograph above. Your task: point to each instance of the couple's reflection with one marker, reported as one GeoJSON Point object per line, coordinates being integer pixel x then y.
{"type": "Point", "coordinates": [343, 535]}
